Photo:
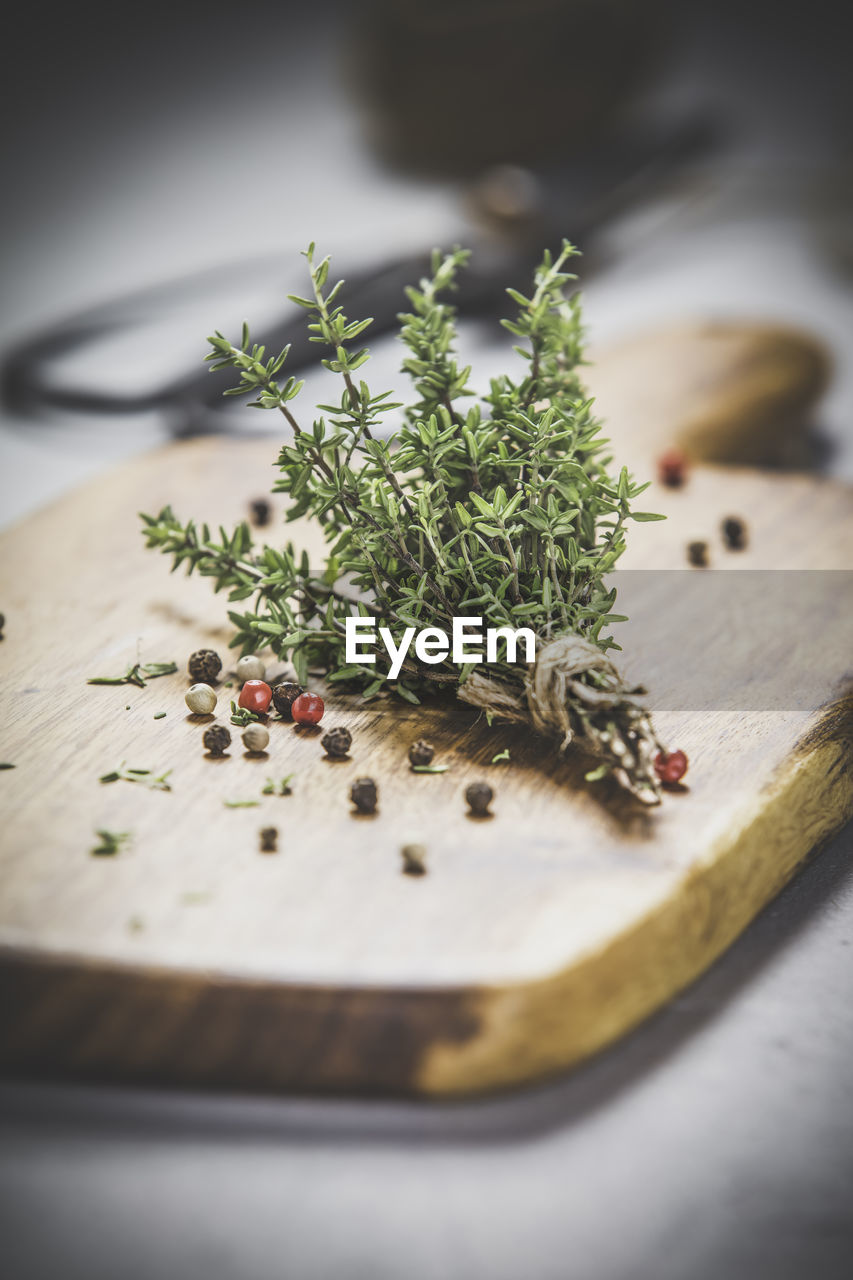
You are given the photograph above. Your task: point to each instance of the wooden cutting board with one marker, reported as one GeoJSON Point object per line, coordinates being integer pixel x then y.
{"type": "Point", "coordinates": [538, 935]}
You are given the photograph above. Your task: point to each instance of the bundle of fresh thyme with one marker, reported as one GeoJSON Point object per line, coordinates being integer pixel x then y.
{"type": "Point", "coordinates": [500, 506]}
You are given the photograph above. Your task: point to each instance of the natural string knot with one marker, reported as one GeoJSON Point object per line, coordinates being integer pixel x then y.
{"type": "Point", "coordinates": [604, 715]}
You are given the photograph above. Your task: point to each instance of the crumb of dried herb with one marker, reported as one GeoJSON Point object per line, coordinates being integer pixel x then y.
{"type": "Point", "coordinates": [110, 843]}
{"type": "Point", "coordinates": [154, 782]}
{"type": "Point", "coordinates": [502, 756]}
{"type": "Point", "coordinates": [281, 788]}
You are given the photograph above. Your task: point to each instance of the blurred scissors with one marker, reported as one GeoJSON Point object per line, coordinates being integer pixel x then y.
{"type": "Point", "coordinates": [523, 212]}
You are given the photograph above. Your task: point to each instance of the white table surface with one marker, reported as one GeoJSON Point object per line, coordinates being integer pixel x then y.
{"type": "Point", "coordinates": [718, 1139]}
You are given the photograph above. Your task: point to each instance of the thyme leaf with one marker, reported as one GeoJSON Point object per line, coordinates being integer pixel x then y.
{"type": "Point", "coordinates": [110, 843]}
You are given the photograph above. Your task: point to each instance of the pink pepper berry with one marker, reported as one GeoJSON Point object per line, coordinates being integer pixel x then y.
{"type": "Point", "coordinates": [308, 708]}
{"type": "Point", "coordinates": [255, 696]}
{"type": "Point", "coordinates": [670, 766]}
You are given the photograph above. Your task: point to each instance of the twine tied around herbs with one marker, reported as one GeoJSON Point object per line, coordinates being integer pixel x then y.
{"type": "Point", "coordinates": [602, 716]}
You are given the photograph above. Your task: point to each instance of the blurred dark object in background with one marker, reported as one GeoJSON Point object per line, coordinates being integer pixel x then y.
{"type": "Point", "coordinates": [456, 85]}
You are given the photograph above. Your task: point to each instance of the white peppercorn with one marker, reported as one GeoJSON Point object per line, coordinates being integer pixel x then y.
{"type": "Point", "coordinates": [250, 667]}
{"type": "Point", "coordinates": [255, 738]}
{"type": "Point", "coordinates": [200, 699]}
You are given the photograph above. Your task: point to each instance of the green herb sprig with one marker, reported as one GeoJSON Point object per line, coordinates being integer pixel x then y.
{"type": "Point", "coordinates": [145, 776]}
{"type": "Point", "coordinates": [502, 505]}
{"type": "Point", "coordinates": [138, 674]}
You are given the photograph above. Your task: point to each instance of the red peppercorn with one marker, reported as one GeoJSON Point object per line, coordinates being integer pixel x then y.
{"type": "Point", "coordinates": [308, 708]}
{"type": "Point", "coordinates": [670, 766]}
{"type": "Point", "coordinates": [255, 695]}
{"type": "Point", "coordinates": [672, 468]}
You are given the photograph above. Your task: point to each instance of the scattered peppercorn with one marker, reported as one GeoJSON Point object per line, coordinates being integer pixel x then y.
{"type": "Point", "coordinates": [250, 667]}
{"type": "Point", "coordinates": [697, 554]}
{"type": "Point", "coordinates": [672, 468]}
{"type": "Point", "coordinates": [217, 739]}
{"type": "Point", "coordinates": [670, 766]}
{"type": "Point", "coordinates": [204, 665]}
{"type": "Point", "coordinates": [364, 795]}
{"type": "Point", "coordinates": [255, 696]}
{"type": "Point", "coordinates": [734, 533]}
{"type": "Point", "coordinates": [256, 738]}
{"type": "Point", "coordinates": [200, 699]}
{"type": "Point", "coordinates": [479, 796]}
{"type": "Point", "coordinates": [336, 743]}
{"type": "Point", "coordinates": [421, 753]}
{"type": "Point", "coordinates": [308, 708]}
{"type": "Point", "coordinates": [414, 859]}
{"type": "Point", "coordinates": [260, 512]}
{"type": "Point", "coordinates": [2, 625]}
{"type": "Point", "coordinates": [284, 695]}
{"type": "Point", "coordinates": [269, 839]}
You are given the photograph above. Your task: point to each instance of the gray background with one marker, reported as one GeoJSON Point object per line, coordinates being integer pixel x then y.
{"type": "Point", "coordinates": [718, 1139]}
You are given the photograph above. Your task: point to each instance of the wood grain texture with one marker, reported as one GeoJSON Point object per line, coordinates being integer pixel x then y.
{"type": "Point", "coordinates": [538, 935]}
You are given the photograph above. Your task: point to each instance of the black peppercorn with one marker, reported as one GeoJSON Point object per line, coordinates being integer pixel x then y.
{"type": "Point", "coordinates": [414, 859]}
{"type": "Point", "coordinates": [364, 795]}
{"type": "Point", "coordinates": [269, 839]}
{"type": "Point", "coordinates": [697, 554]}
{"type": "Point", "coordinates": [284, 695]}
{"type": "Point", "coordinates": [204, 666]}
{"type": "Point", "coordinates": [734, 533]}
{"type": "Point", "coordinates": [259, 512]}
{"type": "Point", "coordinates": [421, 753]}
{"type": "Point", "coordinates": [479, 796]}
{"type": "Point", "coordinates": [2, 624]}
{"type": "Point", "coordinates": [336, 742]}
{"type": "Point", "coordinates": [217, 739]}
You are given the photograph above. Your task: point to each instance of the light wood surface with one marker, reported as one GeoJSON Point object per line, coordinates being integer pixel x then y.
{"type": "Point", "coordinates": [538, 935]}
